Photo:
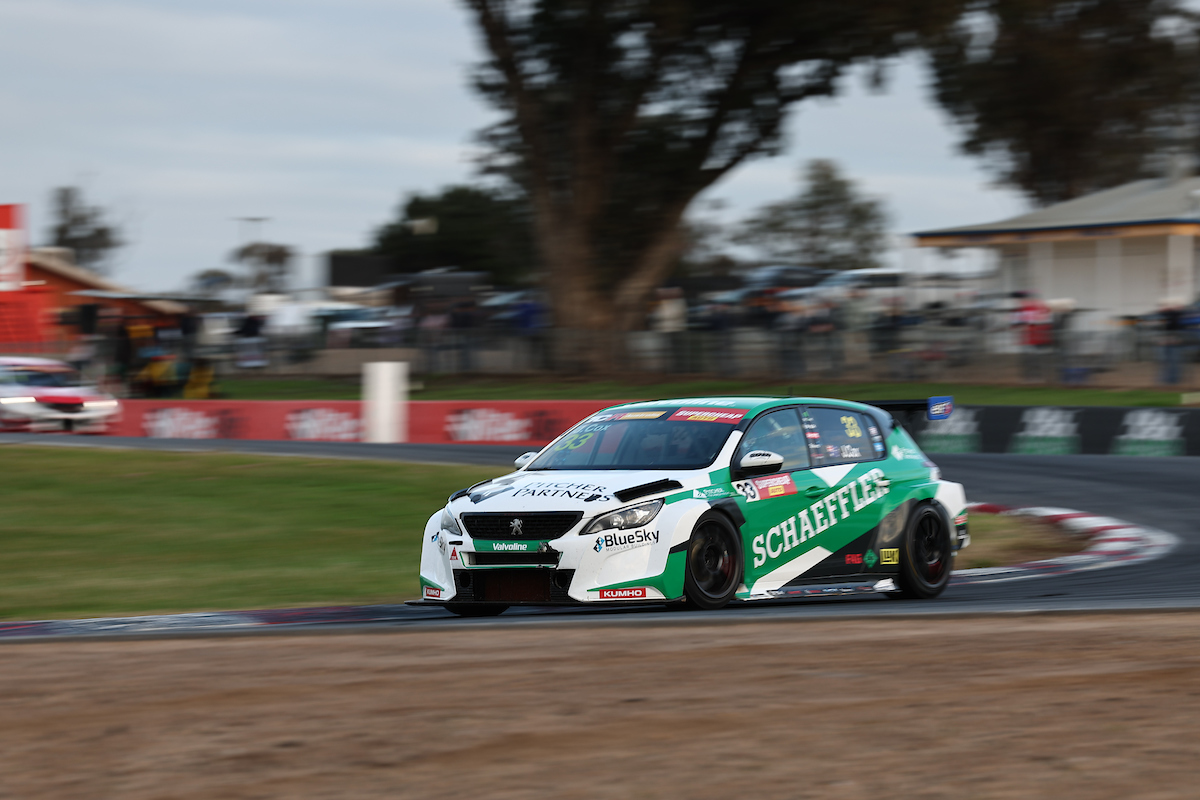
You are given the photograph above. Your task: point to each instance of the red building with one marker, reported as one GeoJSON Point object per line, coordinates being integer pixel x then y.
{"type": "Point", "coordinates": [31, 318]}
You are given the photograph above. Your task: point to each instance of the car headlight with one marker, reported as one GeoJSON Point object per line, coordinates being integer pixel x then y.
{"type": "Point", "coordinates": [100, 404]}
{"type": "Point", "coordinates": [632, 517]}
{"type": "Point", "coordinates": [449, 523]}
{"type": "Point", "coordinates": [13, 401]}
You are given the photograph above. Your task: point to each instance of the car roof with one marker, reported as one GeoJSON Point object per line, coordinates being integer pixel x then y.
{"type": "Point", "coordinates": [753, 405]}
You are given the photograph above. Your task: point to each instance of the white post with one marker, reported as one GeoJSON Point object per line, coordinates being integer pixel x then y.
{"type": "Point", "coordinates": [385, 402]}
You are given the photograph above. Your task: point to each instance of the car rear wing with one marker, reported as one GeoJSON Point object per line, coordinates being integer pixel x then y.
{"type": "Point", "coordinates": [912, 414]}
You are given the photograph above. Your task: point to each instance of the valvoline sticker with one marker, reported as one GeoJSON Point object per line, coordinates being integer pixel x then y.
{"type": "Point", "coordinates": [940, 407]}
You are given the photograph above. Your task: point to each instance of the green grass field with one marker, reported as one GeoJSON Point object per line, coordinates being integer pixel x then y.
{"type": "Point", "coordinates": [518, 388]}
{"type": "Point", "coordinates": [96, 533]}
{"type": "Point", "coordinates": [106, 532]}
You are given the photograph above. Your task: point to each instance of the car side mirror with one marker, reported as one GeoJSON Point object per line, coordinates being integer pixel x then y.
{"type": "Point", "coordinates": [524, 459]}
{"type": "Point", "coordinates": [760, 462]}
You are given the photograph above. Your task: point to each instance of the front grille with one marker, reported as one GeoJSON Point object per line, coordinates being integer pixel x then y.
{"type": "Point", "coordinates": [65, 408]}
{"type": "Point", "coordinates": [530, 525]}
{"type": "Point", "coordinates": [535, 586]}
{"type": "Point", "coordinates": [503, 559]}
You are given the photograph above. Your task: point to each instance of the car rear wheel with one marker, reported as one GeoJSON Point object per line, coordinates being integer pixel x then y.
{"type": "Point", "coordinates": [927, 555]}
{"type": "Point", "coordinates": [476, 609]}
{"type": "Point", "coordinates": [714, 562]}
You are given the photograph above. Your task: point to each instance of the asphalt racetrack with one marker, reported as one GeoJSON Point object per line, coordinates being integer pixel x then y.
{"type": "Point", "coordinates": [1159, 493]}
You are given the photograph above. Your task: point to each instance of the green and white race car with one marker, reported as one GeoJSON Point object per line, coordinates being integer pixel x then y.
{"type": "Point", "coordinates": [701, 501]}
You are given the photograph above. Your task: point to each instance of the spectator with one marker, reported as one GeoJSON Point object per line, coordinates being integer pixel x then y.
{"type": "Point", "coordinates": [791, 326]}
{"type": "Point", "coordinates": [670, 319]}
{"type": "Point", "coordinates": [1171, 341]}
{"type": "Point", "coordinates": [201, 381]}
{"type": "Point", "coordinates": [824, 329]}
{"type": "Point", "coordinates": [1035, 322]}
{"type": "Point", "coordinates": [464, 319]}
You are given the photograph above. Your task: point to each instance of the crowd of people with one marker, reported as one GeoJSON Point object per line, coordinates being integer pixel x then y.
{"type": "Point", "coordinates": [794, 336]}
{"type": "Point", "coordinates": [131, 357]}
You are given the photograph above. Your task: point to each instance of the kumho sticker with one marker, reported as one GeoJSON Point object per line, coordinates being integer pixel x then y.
{"type": "Point", "coordinates": [819, 517]}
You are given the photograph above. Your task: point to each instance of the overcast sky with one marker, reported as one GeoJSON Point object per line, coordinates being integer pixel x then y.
{"type": "Point", "coordinates": [322, 114]}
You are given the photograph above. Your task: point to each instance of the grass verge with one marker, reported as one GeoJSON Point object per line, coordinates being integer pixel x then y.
{"type": "Point", "coordinates": [534, 388]}
{"type": "Point", "coordinates": [1000, 541]}
{"type": "Point", "coordinates": [100, 533]}
{"type": "Point", "coordinates": [96, 533]}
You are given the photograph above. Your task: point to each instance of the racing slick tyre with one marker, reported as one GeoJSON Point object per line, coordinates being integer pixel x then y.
{"type": "Point", "coordinates": [713, 570]}
{"type": "Point", "coordinates": [476, 609]}
{"type": "Point", "coordinates": [926, 554]}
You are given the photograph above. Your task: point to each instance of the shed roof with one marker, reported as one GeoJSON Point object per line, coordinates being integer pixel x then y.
{"type": "Point", "coordinates": [49, 261]}
{"type": "Point", "coordinates": [1150, 202]}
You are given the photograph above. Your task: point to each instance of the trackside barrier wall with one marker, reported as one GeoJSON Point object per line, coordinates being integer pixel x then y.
{"type": "Point", "coordinates": [510, 422]}
{"type": "Point", "coordinates": [1065, 430]}
{"type": "Point", "coordinates": [971, 429]}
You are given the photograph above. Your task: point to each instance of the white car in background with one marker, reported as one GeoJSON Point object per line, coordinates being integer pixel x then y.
{"type": "Point", "coordinates": [41, 394]}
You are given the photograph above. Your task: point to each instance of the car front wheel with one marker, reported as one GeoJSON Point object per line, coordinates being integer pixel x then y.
{"type": "Point", "coordinates": [714, 562]}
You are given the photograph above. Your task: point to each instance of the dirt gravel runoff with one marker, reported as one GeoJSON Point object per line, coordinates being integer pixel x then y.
{"type": "Point", "coordinates": [1104, 706]}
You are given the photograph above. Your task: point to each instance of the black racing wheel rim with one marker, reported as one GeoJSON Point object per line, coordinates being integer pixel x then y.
{"type": "Point", "coordinates": [930, 548]}
{"type": "Point", "coordinates": [712, 560]}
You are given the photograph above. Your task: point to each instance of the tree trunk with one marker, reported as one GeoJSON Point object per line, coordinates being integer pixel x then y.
{"type": "Point", "coordinates": [591, 322]}
{"type": "Point", "coordinates": [582, 315]}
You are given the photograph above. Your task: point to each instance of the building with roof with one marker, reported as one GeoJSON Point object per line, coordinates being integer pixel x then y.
{"type": "Point", "coordinates": [31, 317]}
{"type": "Point", "coordinates": [1118, 252]}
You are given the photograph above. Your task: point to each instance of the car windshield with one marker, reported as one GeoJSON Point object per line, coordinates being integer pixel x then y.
{"type": "Point", "coordinates": [671, 437]}
{"type": "Point", "coordinates": [41, 376]}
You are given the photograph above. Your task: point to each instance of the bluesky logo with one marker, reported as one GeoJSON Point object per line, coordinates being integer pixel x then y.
{"type": "Point", "coordinates": [616, 542]}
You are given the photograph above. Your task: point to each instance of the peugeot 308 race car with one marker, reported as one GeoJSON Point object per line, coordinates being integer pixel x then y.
{"type": "Point", "coordinates": [702, 501]}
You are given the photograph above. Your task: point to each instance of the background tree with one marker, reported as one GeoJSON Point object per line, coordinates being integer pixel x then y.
{"type": "Point", "coordinates": [618, 113]}
{"type": "Point", "coordinates": [827, 225]}
{"type": "Point", "coordinates": [488, 230]}
{"type": "Point", "coordinates": [1065, 97]}
{"type": "Point", "coordinates": [269, 265]}
{"type": "Point", "coordinates": [82, 228]}
{"type": "Point", "coordinates": [209, 283]}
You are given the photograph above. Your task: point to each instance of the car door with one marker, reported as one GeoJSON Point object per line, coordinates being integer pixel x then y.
{"type": "Point", "coordinates": [849, 458]}
{"type": "Point", "coordinates": [777, 550]}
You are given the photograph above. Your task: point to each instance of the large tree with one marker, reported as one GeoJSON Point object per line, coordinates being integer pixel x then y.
{"type": "Point", "coordinates": [473, 228]}
{"type": "Point", "coordinates": [827, 225]}
{"type": "Point", "coordinates": [1065, 97]}
{"type": "Point", "coordinates": [618, 113]}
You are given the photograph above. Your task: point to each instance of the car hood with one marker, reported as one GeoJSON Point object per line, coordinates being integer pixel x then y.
{"type": "Point", "coordinates": [589, 491]}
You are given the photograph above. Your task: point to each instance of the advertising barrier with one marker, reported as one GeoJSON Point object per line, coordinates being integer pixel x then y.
{"type": "Point", "coordinates": [531, 423]}
{"type": "Point", "coordinates": [517, 422]}
{"type": "Point", "coordinates": [1065, 430]}
{"type": "Point", "coordinates": [511, 422]}
{"type": "Point", "coordinates": [323, 421]}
